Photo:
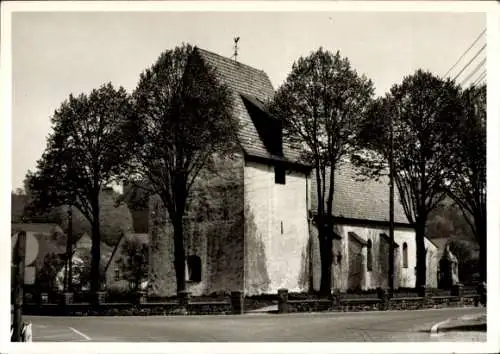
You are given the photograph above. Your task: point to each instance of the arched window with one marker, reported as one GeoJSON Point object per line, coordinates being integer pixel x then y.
{"type": "Point", "coordinates": [405, 255]}
{"type": "Point", "coordinates": [369, 256]}
{"type": "Point", "coordinates": [193, 268]}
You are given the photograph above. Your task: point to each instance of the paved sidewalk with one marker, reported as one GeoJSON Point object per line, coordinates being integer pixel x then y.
{"type": "Point", "coordinates": [470, 328]}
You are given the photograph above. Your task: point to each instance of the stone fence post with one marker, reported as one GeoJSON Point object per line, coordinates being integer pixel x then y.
{"type": "Point", "coordinates": [184, 299]}
{"type": "Point", "coordinates": [282, 300]}
{"type": "Point", "coordinates": [237, 302]}
{"type": "Point", "coordinates": [456, 290]}
{"type": "Point", "coordinates": [43, 298]}
{"type": "Point", "coordinates": [67, 298]}
{"type": "Point", "coordinates": [384, 299]}
{"type": "Point", "coordinates": [100, 297]}
{"type": "Point", "coordinates": [336, 299]}
{"type": "Point", "coordinates": [140, 297]}
{"type": "Point", "coordinates": [423, 291]}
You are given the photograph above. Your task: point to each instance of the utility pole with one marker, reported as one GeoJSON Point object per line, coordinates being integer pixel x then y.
{"type": "Point", "coordinates": [69, 251]}
{"type": "Point", "coordinates": [391, 208]}
{"type": "Point", "coordinates": [19, 263]}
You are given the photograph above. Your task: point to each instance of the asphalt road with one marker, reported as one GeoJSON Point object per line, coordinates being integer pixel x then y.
{"type": "Point", "coordinates": [317, 327]}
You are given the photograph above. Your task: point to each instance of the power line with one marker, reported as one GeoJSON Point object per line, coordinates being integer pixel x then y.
{"type": "Point", "coordinates": [480, 78]}
{"type": "Point", "coordinates": [465, 53]}
{"type": "Point", "coordinates": [470, 61]}
{"type": "Point", "coordinates": [474, 71]}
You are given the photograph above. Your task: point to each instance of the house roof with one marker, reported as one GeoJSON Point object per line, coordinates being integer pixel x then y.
{"type": "Point", "coordinates": [357, 238]}
{"type": "Point", "coordinates": [117, 252]}
{"type": "Point", "coordinates": [359, 198]}
{"type": "Point", "coordinates": [255, 86]}
{"type": "Point", "coordinates": [42, 228]}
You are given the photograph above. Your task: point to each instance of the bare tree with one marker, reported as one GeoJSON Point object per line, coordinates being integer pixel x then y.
{"type": "Point", "coordinates": [183, 119]}
{"type": "Point", "coordinates": [320, 104]}
{"type": "Point", "coordinates": [85, 152]}
{"type": "Point", "coordinates": [468, 185]}
{"type": "Point", "coordinates": [423, 111]}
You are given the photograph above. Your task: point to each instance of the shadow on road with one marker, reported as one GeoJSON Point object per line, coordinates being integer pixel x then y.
{"type": "Point", "coordinates": [479, 327]}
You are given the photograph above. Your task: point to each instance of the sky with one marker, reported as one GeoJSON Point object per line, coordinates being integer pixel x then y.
{"type": "Point", "coordinates": [55, 54]}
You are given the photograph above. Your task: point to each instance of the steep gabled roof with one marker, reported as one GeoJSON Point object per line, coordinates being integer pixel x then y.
{"type": "Point", "coordinates": [255, 86]}
{"type": "Point", "coordinates": [117, 253]}
{"type": "Point", "coordinates": [354, 236]}
{"type": "Point", "coordinates": [360, 199]}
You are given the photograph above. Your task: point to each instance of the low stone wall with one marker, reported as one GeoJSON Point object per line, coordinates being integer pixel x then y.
{"type": "Point", "coordinates": [380, 302]}
{"type": "Point", "coordinates": [237, 304]}
{"type": "Point", "coordinates": [356, 305]}
{"type": "Point", "coordinates": [128, 309]}
{"type": "Point", "coordinates": [184, 305]}
{"type": "Point", "coordinates": [314, 305]}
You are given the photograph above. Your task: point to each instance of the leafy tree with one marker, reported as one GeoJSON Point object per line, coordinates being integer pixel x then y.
{"type": "Point", "coordinates": [85, 152]}
{"type": "Point", "coordinates": [134, 262]}
{"type": "Point", "coordinates": [320, 105]}
{"type": "Point", "coordinates": [468, 187]}
{"type": "Point", "coordinates": [448, 221]}
{"type": "Point", "coordinates": [18, 203]}
{"type": "Point", "coordinates": [423, 111]}
{"type": "Point", "coordinates": [183, 120]}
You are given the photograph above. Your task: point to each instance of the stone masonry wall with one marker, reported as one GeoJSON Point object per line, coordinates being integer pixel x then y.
{"type": "Point", "coordinates": [213, 231]}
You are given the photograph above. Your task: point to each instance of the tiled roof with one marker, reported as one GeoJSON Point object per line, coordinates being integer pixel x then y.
{"type": "Point", "coordinates": [357, 198]}
{"type": "Point", "coordinates": [250, 82]}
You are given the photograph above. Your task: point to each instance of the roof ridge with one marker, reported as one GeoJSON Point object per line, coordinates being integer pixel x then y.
{"type": "Point", "coordinates": [231, 60]}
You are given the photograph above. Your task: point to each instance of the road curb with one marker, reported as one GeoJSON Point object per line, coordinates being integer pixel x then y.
{"type": "Point", "coordinates": [434, 331]}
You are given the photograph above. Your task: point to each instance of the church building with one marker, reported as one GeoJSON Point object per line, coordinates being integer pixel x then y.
{"type": "Point", "coordinates": [249, 226]}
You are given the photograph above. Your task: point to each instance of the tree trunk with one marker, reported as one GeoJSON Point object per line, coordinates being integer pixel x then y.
{"type": "Point", "coordinates": [179, 256]}
{"type": "Point", "coordinates": [326, 253]}
{"type": "Point", "coordinates": [421, 253]}
{"type": "Point", "coordinates": [95, 276]}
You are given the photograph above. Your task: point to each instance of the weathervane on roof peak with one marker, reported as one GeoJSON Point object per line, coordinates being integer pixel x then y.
{"type": "Point", "coordinates": [236, 40]}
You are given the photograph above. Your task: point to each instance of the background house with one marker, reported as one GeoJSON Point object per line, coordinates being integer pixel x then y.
{"type": "Point", "coordinates": [115, 278]}
{"type": "Point", "coordinates": [81, 261]}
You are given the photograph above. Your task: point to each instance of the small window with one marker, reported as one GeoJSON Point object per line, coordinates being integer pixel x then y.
{"type": "Point", "coordinates": [117, 274]}
{"type": "Point", "coordinates": [194, 268]}
{"type": "Point", "coordinates": [279, 175]}
{"type": "Point", "coordinates": [369, 257]}
{"type": "Point", "coordinates": [405, 255]}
